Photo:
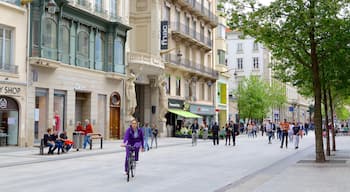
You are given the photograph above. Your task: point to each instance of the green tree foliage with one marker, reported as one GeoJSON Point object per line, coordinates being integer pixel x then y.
{"type": "Point", "coordinates": [255, 97]}
{"type": "Point", "coordinates": [310, 38]}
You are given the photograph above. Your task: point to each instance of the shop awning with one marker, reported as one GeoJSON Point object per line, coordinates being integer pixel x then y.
{"type": "Point", "coordinates": [184, 113]}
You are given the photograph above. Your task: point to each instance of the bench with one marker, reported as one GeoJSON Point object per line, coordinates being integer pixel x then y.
{"type": "Point", "coordinates": [42, 146]}
{"type": "Point", "coordinates": [96, 136]}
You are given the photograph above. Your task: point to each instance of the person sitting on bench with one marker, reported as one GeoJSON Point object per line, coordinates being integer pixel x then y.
{"type": "Point", "coordinates": [48, 141]}
{"type": "Point", "coordinates": [88, 129]}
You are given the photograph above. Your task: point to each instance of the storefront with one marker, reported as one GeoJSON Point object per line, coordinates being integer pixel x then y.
{"type": "Point", "coordinates": [206, 111]}
{"type": "Point", "coordinates": [12, 105]}
{"type": "Point", "coordinates": [177, 117]}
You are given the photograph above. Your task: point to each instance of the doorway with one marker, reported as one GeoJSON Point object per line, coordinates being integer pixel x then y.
{"type": "Point", "coordinates": [114, 123]}
{"type": "Point", "coordinates": [8, 121]}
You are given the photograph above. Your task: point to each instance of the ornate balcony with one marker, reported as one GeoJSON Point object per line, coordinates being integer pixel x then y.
{"type": "Point", "coordinates": [200, 11]}
{"type": "Point", "coordinates": [189, 66]}
{"type": "Point", "coordinates": [146, 62]}
{"type": "Point", "coordinates": [181, 31]}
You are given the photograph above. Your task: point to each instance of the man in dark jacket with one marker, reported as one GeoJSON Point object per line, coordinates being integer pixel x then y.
{"type": "Point", "coordinates": [215, 131]}
{"type": "Point", "coordinates": [234, 132]}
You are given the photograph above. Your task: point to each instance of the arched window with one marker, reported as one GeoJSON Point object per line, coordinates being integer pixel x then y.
{"type": "Point", "coordinates": [64, 43]}
{"type": "Point", "coordinates": [118, 54]}
{"type": "Point", "coordinates": [50, 34]}
{"type": "Point", "coordinates": [99, 51]}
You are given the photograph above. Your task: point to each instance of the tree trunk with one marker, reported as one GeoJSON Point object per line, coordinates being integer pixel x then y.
{"type": "Point", "coordinates": [328, 149]}
{"type": "Point", "coordinates": [320, 157]}
{"type": "Point", "coordinates": [332, 118]}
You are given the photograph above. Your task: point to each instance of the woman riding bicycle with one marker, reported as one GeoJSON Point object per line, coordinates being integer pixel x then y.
{"type": "Point", "coordinates": [133, 137]}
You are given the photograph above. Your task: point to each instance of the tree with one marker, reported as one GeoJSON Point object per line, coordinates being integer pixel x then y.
{"type": "Point", "coordinates": [253, 98]}
{"type": "Point", "coordinates": [305, 35]}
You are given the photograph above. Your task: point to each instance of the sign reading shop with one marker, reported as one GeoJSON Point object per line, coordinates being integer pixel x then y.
{"type": "Point", "coordinates": [163, 35]}
{"type": "Point", "coordinates": [7, 90]}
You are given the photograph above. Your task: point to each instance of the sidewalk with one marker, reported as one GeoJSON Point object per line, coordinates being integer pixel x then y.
{"type": "Point", "coordinates": [12, 156]}
{"type": "Point", "coordinates": [302, 173]}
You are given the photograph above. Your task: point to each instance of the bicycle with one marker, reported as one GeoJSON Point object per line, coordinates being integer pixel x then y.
{"type": "Point", "coordinates": [131, 162]}
{"type": "Point", "coordinates": [194, 138]}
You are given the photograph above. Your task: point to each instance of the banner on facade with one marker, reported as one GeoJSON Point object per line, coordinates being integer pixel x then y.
{"type": "Point", "coordinates": [163, 35]}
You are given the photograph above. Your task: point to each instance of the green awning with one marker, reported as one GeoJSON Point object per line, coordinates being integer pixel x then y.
{"type": "Point", "coordinates": [184, 113]}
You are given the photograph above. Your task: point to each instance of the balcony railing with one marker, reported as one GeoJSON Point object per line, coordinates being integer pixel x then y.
{"type": "Point", "coordinates": [190, 32]}
{"type": "Point", "coordinates": [9, 68]}
{"type": "Point", "coordinates": [15, 2]}
{"type": "Point", "coordinates": [172, 58]}
{"type": "Point", "coordinates": [200, 9]}
{"type": "Point", "coordinates": [84, 3]}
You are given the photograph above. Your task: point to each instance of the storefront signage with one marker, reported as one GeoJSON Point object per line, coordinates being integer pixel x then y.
{"type": "Point", "coordinates": [6, 90]}
{"type": "Point", "coordinates": [163, 35]}
{"type": "Point", "coordinates": [175, 103]}
{"type": "Point", "coordinates": [202, 109]}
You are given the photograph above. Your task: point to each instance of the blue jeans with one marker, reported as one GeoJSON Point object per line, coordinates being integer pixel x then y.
{"type": "Point", "coordinates": [86, 140]}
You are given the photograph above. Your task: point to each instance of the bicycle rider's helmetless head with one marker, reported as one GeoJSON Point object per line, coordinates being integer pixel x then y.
{"type": "Point", "coordinates": [134, 124]}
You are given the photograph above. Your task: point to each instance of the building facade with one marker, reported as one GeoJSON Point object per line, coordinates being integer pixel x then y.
{"type": "Point", "coordinates": [189, 60]}
{"type": "Point", "coordinates": [245, 58]}
{"type": "Point", "coordinates": [249, 58]}
{"type": "Point", "coordinates": [221, 93]}
{"type": "Point", "coordinates": [13, 74]}
{"type": "Point", "coordinates": [77, 66]}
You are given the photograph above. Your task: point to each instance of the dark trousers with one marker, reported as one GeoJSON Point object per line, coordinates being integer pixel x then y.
{"type": "Point", "coordinates": [216, 138]}
{"type": "Point", "coordinates": [228, 137]}
{"type": "Point", "coordinates": [284, 135]}
{"type": "Point", "coordinates": [233, 138]}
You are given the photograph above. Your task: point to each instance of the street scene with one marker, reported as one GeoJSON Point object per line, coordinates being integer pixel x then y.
{"type": "Point", "coordinates": [251, 165]}
{"type": "Point", "coordinates": [174, 95]}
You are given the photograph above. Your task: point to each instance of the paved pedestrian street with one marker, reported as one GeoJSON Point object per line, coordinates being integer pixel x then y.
{"type": "Point", "coordinates": [252, 165]}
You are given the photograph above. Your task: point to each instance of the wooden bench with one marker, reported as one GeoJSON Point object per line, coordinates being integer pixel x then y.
{"type": "Point", "coordinates": [95, 136]}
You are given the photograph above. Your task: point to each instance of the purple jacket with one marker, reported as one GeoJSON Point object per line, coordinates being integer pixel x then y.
{"type": "Point", "coordinates": [129, 138]}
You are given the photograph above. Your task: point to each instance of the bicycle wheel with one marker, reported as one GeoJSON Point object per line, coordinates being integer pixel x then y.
{"type": "Point", "coordinates": [129, 169]}
{"type": "Point", "coordinates": [133, 166]}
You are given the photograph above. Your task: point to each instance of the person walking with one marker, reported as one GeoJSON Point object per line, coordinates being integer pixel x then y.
{"type": "Point", "coordinates": [235, 131]}
{"type": "Point", "coordinates": [154, 135]}
{"type": "Point", "coordinates": [215, 132]}
{"type": "Point", "coordinates": [228, 130]}
{"type": "Point", "coordinates": [269, 130]}
{"type": "Point", "coordinates": [88, 129]}
{"type": "Point", "coordinates": [296, 133]}
{"type": "Point", "coordinates": [194, 128]}
{"type": "Point", "coordinates": [147, 133]}
{"type": "Point", "coordinates": [285, 128]}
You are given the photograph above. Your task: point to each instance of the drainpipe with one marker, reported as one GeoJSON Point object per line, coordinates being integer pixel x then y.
{"type": "Point", "coordinates": [27, 73]}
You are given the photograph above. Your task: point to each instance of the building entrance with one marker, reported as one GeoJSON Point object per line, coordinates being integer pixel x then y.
{"type": "Point", "coordinates": [8, 121]}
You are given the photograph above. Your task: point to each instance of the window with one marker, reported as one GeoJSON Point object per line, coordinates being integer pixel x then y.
{"type": "Point", "coordinates": [99, 5]}
{"type": "Point", "coordinates": [202, 33]}
{"type": "Point", "coordinates": [209, 92]}
{"type": "Point", "coordinates": [187, 25]}
{"type": "Point", "coordinates": [239, 48]}
{"type": "Point", "coordinates": [6, 49]}
{"type": "Point", "coordinates": [202, 91]}
{"type": "Point", "coordinates": [64, 44]}
{"type": "Point", "coordinates": [114, 7]}
{"type": "Point", "coordinates": [99, 50]}
{"type": "Point", "coordinates": [50, 39]}
{"type": "Point", "coordinates": [194, 25]}
{"type": "Point", "coordinates": [221, 56]}
{"type": "Point", "coordinates": [118, 55]}
{"type": "Point", "coordinates": [221, 31]}
{"type": "Point", "coordinates": [83, 49]}
{"type": "Point", "coordinates": [256, 62]}
{"type": "Point", "coordinates": [178, 86]}
{"type": "Point", "coordinates": [167, 13]}
{"type": "Point", "coordinates": [240, 63]}
{"type": "Point", "coordinates": [255, 46]}
{"type": "Point", "coordinates": [177, 20]}
{"type": "Point", "coordinates": [168, 80]}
